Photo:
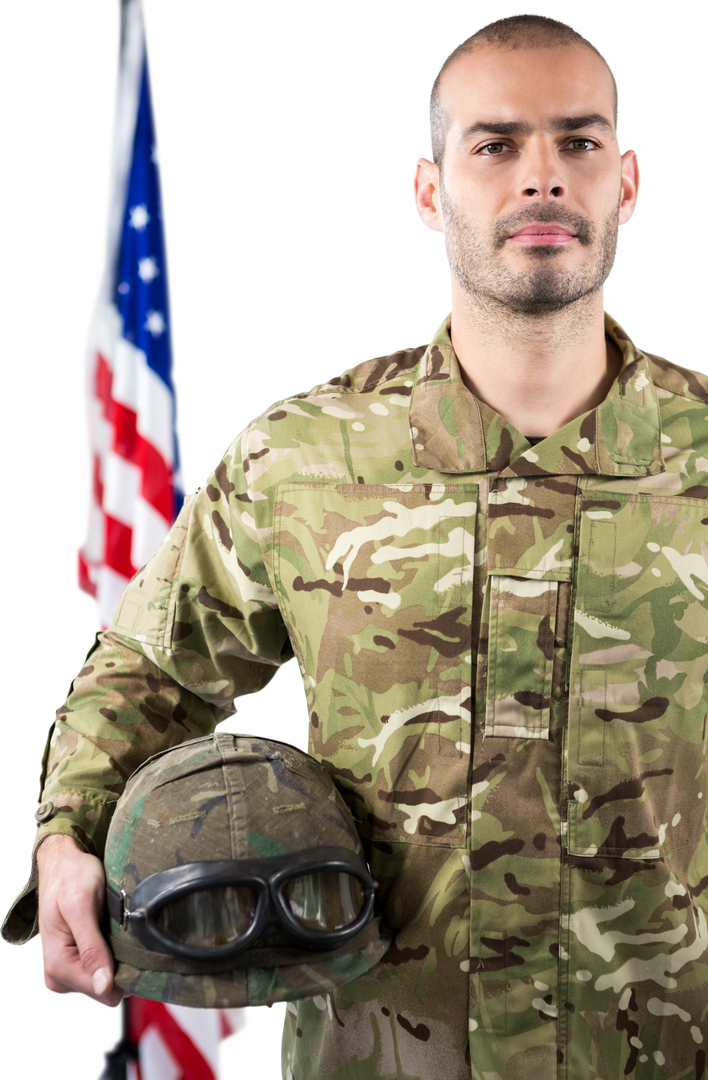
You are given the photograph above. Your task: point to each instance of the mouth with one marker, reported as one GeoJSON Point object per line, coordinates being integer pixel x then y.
{"type": "Point", "coordinates": [542, 235]}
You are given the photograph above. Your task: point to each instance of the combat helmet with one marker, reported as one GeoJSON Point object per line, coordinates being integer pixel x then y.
{"type": "Point", "coordinates": [235, 876]}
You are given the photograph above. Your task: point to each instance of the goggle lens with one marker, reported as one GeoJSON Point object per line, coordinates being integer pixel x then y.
{"type": "Point", "coordinates": [208, 917]}
{"type": "Point", "coordinates": [324, 901]}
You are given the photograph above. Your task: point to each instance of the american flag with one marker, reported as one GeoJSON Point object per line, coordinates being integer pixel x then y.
{"type": "Point", "coordinates": [136, 491]}
{"type": "Point", "coordinates": [135, 469]}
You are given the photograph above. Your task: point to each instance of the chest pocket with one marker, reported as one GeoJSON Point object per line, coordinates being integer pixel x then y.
{"type": "Point", "coordinates": [637, 723]}
{"type": "Point", "coordinates": [375, 585]}
{"type": "Point", "coordinates": [530, 567]}
{"type": "Point", "coordinates": [522, 625]}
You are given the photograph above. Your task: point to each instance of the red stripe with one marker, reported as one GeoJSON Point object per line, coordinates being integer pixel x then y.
{"type": "Point", "coordinates": [156, 479]}
{"type": "Point", "coordinates": [142, 1014]}
{"type": "Point", "coordinates": [156, 485]}
{"type": "Point", "coordinates": [97, 481]}
{"type": "Point", "coordinates": [125, 422]}
{"type": "Point", "coordinates": [226, 1027]}
{"type": "Point", "coordinates": [119, 539]}
{"type": "Point", "coordinates": [85, 581]}
{"type": "Point", "coordinates": [156, 482]}
{"type": "Point", "coordinates": [103, 383]}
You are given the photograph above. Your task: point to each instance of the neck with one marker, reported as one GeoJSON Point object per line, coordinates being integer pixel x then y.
{"type": "Point", "coordinates": [537, 371]}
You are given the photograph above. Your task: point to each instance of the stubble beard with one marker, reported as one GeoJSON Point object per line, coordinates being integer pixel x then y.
{"type": "Point", "coordinates": [545, 287]}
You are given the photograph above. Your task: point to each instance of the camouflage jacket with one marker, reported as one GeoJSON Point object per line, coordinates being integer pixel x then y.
{"type": "Point", "coordinates": [504, 650]}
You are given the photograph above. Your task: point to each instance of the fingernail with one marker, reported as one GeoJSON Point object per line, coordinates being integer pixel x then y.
{"type": "Point", "coordinates": [101, 980]}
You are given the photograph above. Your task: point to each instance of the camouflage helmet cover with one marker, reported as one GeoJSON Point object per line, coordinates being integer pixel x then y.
{"type": "Point", "coordinates": [229, 797]}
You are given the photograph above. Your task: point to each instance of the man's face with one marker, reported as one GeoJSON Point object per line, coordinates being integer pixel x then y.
{"type": "Point", "coordinates": [531, 189]}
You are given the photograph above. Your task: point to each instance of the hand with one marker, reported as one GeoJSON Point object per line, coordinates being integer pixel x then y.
{"type": "Point", "coordinates": [72, 891]}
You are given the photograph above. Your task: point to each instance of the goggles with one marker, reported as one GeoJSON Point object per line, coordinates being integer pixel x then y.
{"type": "Point", "coordinates": [213, 910]}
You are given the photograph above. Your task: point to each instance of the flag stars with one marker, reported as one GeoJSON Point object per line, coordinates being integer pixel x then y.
{"type": "Point", "coordinates": [139, 217]}
{"type": "Point", "coordinates": [124, 288]}
{"type": "Point", "coordinates": [155, 323]}
{"type": "Point", "coordinates": [147, 269]}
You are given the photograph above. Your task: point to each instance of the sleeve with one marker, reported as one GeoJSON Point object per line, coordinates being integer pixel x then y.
{"type": "Point", "coordinates": [197, 626]}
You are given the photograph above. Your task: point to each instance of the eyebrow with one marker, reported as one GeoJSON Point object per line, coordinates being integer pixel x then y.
{"type": "Point", "coordinates": [520, 127]}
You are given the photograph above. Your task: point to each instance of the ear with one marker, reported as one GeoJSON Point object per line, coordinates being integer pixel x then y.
{"type": "Point", "coordinates": [427, 198]}
{"type": "Point", "coordinates": [630, 186]}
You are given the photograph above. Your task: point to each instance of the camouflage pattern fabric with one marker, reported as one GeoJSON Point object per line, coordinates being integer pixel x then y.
{"type": "Point", "coordinates": [504, 650]}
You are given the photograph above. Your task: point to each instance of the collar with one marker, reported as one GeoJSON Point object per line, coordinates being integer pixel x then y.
{"type": "Point", "coordinates": [452, 431]}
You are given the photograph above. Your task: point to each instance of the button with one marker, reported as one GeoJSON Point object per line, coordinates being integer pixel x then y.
{"type": "Point", "coordinates": [44, 811]}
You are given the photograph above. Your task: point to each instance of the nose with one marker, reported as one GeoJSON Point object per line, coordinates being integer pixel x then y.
{"type": "Point", "coordinates": [540, 178]}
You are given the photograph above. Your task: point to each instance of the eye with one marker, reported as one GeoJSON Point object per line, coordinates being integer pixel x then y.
{"type": "Point", "coordinates": [588, 140]}
{"type": "Point", "coordinates": [488, 146]}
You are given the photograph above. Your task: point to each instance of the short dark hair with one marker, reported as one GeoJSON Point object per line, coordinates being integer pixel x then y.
{"type": "Point", "coordinates": [516, 32]}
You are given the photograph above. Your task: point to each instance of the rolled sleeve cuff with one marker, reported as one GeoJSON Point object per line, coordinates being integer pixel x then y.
{"type": "Point", "coordinates": [66, 813]}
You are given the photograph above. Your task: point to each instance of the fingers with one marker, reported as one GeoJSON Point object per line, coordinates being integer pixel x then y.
{"type": "Point", "coordinates": [74, 961]}
{"type": "Point", "coordinates": [82, 987]}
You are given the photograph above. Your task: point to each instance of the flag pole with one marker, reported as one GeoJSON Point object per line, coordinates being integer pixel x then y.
{"type": "Point", "coordinates": [117, 1056]}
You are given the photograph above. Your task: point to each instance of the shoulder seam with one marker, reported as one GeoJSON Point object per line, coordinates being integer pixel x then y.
{"type": "Point", "coordinates": [693, 388]}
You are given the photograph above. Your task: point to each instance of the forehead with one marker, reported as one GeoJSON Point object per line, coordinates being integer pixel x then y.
{"type": "Point", "coordinates": [533, 85]}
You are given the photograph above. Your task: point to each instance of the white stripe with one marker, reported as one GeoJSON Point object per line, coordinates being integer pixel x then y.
{"type": "Point", "coordinates": [106, 328]}
{"type": "Point", "coordinates": [156, 1061]}
{"type": "Point", "coordinates": [109, 589]}
{"type": "Point", "coordinates": [93, 546]}
{"type": "Point", "coordinates": [121, 488]}
{"type": "Point", "coordinates": [235, 1018]}
{"type": "Point", "coordinates": [149, 530]}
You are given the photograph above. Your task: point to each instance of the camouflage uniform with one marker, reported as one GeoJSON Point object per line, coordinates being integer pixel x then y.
{"type": "Point", "coordinates": [504, 651]}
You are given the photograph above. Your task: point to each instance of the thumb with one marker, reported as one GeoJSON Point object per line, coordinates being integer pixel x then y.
{"type": "Point", "coordinates": [101, 981]}
{"type": "Point", "coordinates": [94, 954]}
{"type": "Point", "coordinates": [96, 959]}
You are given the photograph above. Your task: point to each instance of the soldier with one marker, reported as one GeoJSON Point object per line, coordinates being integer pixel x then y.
{"type": "Point", "coordinates": [488, 555]}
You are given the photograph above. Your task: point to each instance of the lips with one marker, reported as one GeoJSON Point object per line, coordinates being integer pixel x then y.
{"type": "Point", "coordinates": [542, 230]}
{"type": "Point", "coordinates": [538, 234]}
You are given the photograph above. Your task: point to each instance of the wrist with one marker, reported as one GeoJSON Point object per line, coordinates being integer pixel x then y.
{"type": "Point", "coordinates": [52, 840]}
